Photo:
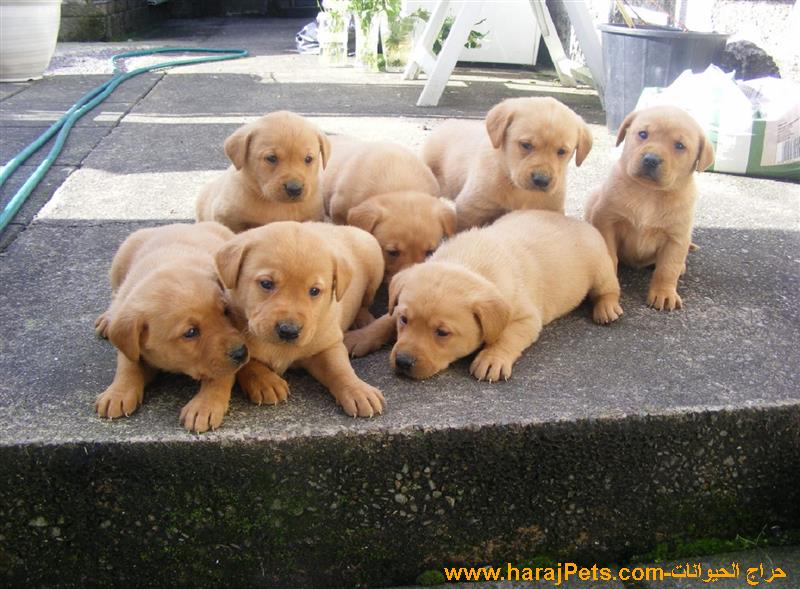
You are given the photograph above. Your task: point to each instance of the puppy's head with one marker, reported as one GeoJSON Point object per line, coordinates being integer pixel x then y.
{"type": "Point", "coordinates": [284, 279]}
{"type": "Point", "coordinates": [443, 312]}
{"type": "Point", "coordinates": [176, 320]}
{"type": "Point", "coordinates": [664, 146]}
{"type": "Point", "coordinates": [408, 225]}
{"type": "Point", "coordinates": [282, 154]}
{"type": "Point", "coordinates": [536, 138]}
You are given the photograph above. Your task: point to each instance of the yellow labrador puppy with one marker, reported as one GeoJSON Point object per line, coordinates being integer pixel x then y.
{"type": "Point", "coordinates": [494, 287]}
{"type": "Point", "coordinates": [275, 176]}
{"type": "Point", "coordinates": [169, 312]}
{"type": "Point", "coordinates": [385, 189]}
{"type": "Point", "coordinates": [645, 209]}
{"type": "Point", "coordinates": [294, 288]}
{"type": "Point", "coordinates": [516, 160]}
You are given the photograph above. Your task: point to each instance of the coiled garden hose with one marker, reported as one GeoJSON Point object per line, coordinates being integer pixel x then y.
{"type": "Point", "coordinates": [86, 103]}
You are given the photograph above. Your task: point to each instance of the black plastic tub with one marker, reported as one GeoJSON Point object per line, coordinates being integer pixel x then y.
{"type": "Point", "coordinates": [650, 56]}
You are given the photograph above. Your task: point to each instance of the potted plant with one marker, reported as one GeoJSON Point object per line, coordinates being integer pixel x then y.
{"type": "Point", "coordinates": [366, 14]}
{"type": "Point", "coordinates": [332, 25]}
{"type": "Point", "coordinates": [28, 34]}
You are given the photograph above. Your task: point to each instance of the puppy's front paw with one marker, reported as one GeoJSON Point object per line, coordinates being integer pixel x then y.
{"type": "Point", "coordinates": [116, 402]}
{"type": "Point", "coordinates": [491, 365]}
{"type": "Point", "coordinates": [262, 385]}
{"type": "Point", "coordinates": [101, 326]}
{"type": "Point", "coordinates": [665, 298]}
{"type": "Point", "coordinates": [606, 309]}
{"type": "Point", "coordinates": [360, 399]}
{"type": "Point", "coordinates": [359, 343]}
{"type": "Point", "coordinates": [201, 414]}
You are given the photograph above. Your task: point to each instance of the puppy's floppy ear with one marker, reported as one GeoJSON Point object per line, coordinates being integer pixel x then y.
{"type": "Point", "coordinates": [705, 155]}
{"type": "Point", "coordinates": [623, 128]}
{"type": "Point", "coordinates": [365, 216]}
{"type": "Point", "coordinates": [238, 144]}
{"type": "Point", "coordinates": [492, 313]}
{"type": "Point", "coordinates": [584, 142]}
{"type": "Point", "coordinates": [324, 147]}
{"type": "Point", "coordinates": [396, 286]}
{"type": "Point", "coordinates": [447, 217]}
{"type": "Point", "coordinates": [497, 121]}
{"type": "Point", "coordinates": [128, 332]}
{"type": "Point", "coordinates": [342, 275]}
{"type": "Point", "coordinates": [228, 260]}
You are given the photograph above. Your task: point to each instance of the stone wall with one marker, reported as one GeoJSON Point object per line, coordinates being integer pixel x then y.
{"type": "Point", "coordinates": [767, 24]}
{"type": "Point", "coordinates": [106, 20]}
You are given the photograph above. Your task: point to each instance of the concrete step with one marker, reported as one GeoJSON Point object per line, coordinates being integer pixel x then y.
{"type": "Point", "coordinates": [604, 443]}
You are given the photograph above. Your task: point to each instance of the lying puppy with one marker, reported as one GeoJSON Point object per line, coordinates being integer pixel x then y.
{"type": "Point", "coordinates": [644, 210]}
{"type": "Point", "coordinates": [277, 162]}
{"type": "Point", "coordinates": [495, 287]}
{"type": "Point", "coordinates": [518, 160]}
{"type": "Point", "coordinates": [385, 189]}
{"type": "Point", "coordinates": [168, 312]}
{"type": "Point", "coordinates": [294, 288]}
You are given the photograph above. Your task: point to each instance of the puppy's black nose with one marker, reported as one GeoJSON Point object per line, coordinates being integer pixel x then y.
{"type": "Point", "coordinates": [541, 181]}
{"type": "Point", "coordinates": [239, 354]}
{"type": "Point", "coordinates": [287, 331]}
{"type": "Point", "coordinates": [293, 189]}
{"type": "Point", "coordinates": [404, 362]}
{"type": "Point", "coordinates": [651, 161]}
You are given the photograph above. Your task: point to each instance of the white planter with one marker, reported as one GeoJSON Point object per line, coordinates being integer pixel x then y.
{"type": "Point", "coordinates": [28, 34]}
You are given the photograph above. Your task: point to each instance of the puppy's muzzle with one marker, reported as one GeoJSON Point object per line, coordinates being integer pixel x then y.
{"type": "Point", "coordinates": [294, 189]}
{"type": "Point", "coordinates": [404, 363]}
{"type": "Point", "coordinates": [287, 331]}
{"type": "Point", "coordinates": [540, 181]}
{"type": "Point", "coordinates": [238, 355]}
{"type": "Point", "coordinates": [650, 164]}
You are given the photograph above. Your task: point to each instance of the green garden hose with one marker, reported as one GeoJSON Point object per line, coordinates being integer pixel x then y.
{"type": "Point", "coordinates": [85, 104]}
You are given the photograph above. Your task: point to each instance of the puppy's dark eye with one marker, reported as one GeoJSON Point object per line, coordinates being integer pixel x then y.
{"type": "Point", "coordinates": [192, 333]}
{"type": "Point", "coordinates": [272, 158]}
{"type": "Point", "coordinates": [643, 134]}
{"type": "Point", "coordinates": [393, 253]}
{"type": "Point", "coordinates": [309, 159]}
{"type": "Point", "coordinates": [562, 151]}
{"type": "Point", "coordinates": [442, 332]}
{"type": "Point", "coordinates": [526, 145]}
{"type": "Point", "coordinates": [403, 319]}
{"type": "Point", "coordinates": [266, 284]}
{"type": "Point", "coordinates": [679, 146]}
{"type": "Point", "coordinates": [314, 291]}
{"type": "Point", "coordinates": [429, 253]}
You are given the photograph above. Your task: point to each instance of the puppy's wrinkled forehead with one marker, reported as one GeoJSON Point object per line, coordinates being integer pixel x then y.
{"type": "Point", "coordinates": [172, 296]}
{"type": "Point", "coordinates": [546, 125]}
{"type": "Point", "coordinates": [285, 247]}
{"type": "Point", "coordinates": [297, 137]}
{"type": "Point", "coordinates": [673, 125]}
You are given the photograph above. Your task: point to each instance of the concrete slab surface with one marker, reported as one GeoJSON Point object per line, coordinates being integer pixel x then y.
{"type": "Point", "coordinates": [605, 441]}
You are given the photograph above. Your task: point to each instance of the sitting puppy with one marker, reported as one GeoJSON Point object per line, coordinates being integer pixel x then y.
{"type": "Point", "coordinates": [518, 160]}
{"type": "Point", "coordinates": [385, 189]}
{"type": "Point", "coordinates": [277, 163]}
{"type": "Point", "coordinates": [495, 287]}
{"type": "Point", "coordinates": [294, 288]}
{"type": "Point", "coordinates": [645, 208]}
{"type": "Point", "coordinates": [168, 312]}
